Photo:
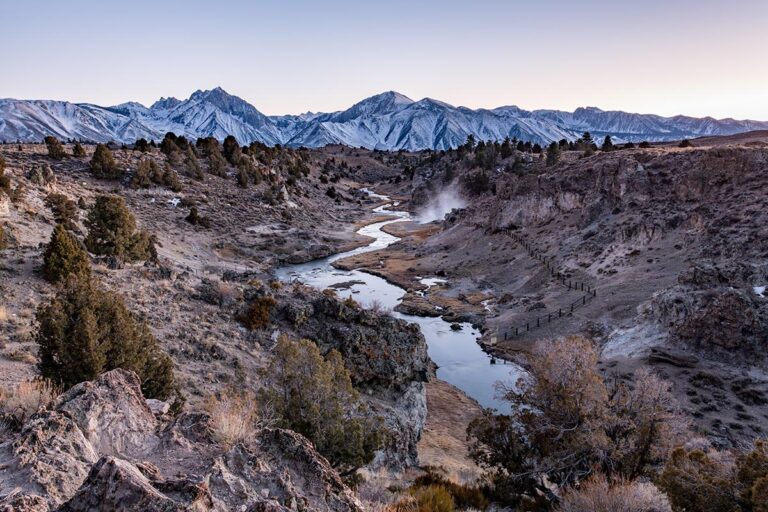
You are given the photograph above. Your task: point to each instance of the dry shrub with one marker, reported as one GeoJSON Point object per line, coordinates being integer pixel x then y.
{"type": "Point", "coordinates": [234, 415]}
{"type": "Point", "coordinates": [434, 498]}
{"type": "Point", "coordinates": [464, 496]}
{"type": "Point", "coordinates": [599, 495]}
{"type": "Point", "coordinates": [18, 403]}
{"type": "Point", "coordinates": [256, 315]}
{"type": "Point", "coordinates": [406, 504]}
{"type": "Point", "coordinates": [227, 293]}
{"type": "Point", "coordinates": [3, 314]}
{"type": "Point", "coordinates": [21, 355]}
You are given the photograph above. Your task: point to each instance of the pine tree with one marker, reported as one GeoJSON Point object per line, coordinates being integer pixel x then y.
{"type": "Point", "coordinates": [607, 144]}
{"type": "Point", "coordinates": [103, 164]}
{"type": "Point", "coordinates": [64, 257]}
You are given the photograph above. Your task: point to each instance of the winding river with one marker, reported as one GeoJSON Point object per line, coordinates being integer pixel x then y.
{"type": "Point", "coordinates": [460, 359]}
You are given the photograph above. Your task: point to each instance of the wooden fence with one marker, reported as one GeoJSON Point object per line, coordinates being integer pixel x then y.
{"type": "Point", "coordinates": [588, 293]}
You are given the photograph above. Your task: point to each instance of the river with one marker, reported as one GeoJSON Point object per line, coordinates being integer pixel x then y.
{"type": "Point", "coordinates": [460, 360]}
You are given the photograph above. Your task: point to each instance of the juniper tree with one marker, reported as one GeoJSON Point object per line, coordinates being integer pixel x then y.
{"type": "Point", "coordinates": [168, 145]}
{"type": "Point", "coordinates": [64, 257]}
{"type": "Point", "coordinates": [103, 164]}
{"type": "Point", "coordinates": [85, 330]}
{"type": "Point", "coordinates": [242, 177]}
{"type": "Point", "coordinates": [314, 396]}
{"type": "Point", "coordinates": [141, 145]}
{"type": "Point", "coordinates": [553, 154]}
{"type": "Point", "coordinates": [63, 208]}
{"type": "Point", "coordinates": [5, 181]}
{"type": "Point", "coordinates": [142, 178]}
{"type": "Point", "coordinates": [55, 149]}
{"type": "Point", "coordinates": [217, 165]}
{"type": "Point", "coordinates": [192, 166]}
{"type": "Point", "coordinates": [171, 179]}
{"type": "Point", "coordinates": [112, 232]}
{"type": "Point", "coordinates": [231, 150]}
{"type": "Point", "coordinates": [78, 151]}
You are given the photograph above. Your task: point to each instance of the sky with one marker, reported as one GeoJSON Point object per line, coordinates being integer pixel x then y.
{"type": "Point", "coordinates": [694, 57]}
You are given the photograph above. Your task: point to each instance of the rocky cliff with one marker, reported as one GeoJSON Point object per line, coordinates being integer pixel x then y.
{"type": "Point", "coordinates": [101, 447]}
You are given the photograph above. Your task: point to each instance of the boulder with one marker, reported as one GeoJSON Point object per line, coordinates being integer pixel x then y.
{"type": "Point", "coordinates": [112, 414]}
{"type": "Point", "coordinates": [50, 457]}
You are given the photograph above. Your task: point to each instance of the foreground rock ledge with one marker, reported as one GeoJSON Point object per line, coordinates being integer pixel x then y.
{"type": "Point", "coordinates": [101, 448]}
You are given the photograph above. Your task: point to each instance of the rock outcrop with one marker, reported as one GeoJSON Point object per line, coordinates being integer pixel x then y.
{"type": "Point", "coordinates": [715, 309]}
{"type": "Point", "coordinates": [101, 448]}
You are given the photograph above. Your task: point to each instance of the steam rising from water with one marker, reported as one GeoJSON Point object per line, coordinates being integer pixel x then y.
{"type": "Point", "coordinates": [439, 206]}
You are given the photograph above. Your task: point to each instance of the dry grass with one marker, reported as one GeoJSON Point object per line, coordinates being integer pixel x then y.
{"type": "Point", "coordinates": [600, 495]}
{"type": "Point", "coordinates": [22, 401]}
{"type": "Point", "coordinates": [21, 355]}
{"type": "Point", "coordinates": [234, 415]}
{"type": "Point", "coordinates": [3, 314]}
{"type": "Point", "coordinates": [378, 307]}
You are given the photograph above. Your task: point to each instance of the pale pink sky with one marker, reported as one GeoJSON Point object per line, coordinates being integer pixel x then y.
{"type": "Point", "coordinates": [668, 57]}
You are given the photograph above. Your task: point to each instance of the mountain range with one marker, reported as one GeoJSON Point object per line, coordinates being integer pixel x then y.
{"type": "Point", "coordinates": [387, 121]}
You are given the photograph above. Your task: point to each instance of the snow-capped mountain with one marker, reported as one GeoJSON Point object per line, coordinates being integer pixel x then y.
{"type": "Point", "coordinates": [388, 121]}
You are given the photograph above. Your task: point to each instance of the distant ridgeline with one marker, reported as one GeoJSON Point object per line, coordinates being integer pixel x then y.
{"type": "Point", "coordinates": [387, 121]}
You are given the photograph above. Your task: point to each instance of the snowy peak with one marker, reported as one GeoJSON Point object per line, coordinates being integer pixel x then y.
{"type": "Point", "coordinates": [165, 103]}
{"type": "Point", "coordinates": [379, 105]}
{"type": "Point", "coordinates": [388, 121]}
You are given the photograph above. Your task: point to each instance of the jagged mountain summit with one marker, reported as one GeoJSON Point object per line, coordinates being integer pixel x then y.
{"type": "Point", "coordinates": [387, 121]}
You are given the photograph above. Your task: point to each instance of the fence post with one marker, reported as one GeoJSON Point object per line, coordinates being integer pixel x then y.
{"type": "Point", "coordinates": [559, 312]}
{"type": "Point", "coordinates": [584, 299]}
{"type": "Point", "coordinates": [571, 307]}
{"type": "Point", "coordinates": [537, 322]}
{"type": "Point", "coordinates": [527, 327]}
{"type": "Point", "coordinates": [505, 335]}
{"type": "Point", "coordinates": [515, 331]}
